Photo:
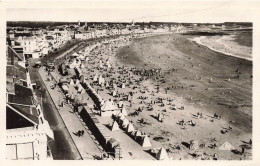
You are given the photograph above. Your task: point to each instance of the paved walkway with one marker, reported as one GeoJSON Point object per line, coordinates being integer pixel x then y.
{"type": "Point", "coordinates": [86, 145]}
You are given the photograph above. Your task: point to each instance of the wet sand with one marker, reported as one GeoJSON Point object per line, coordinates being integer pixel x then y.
{"type": "Point", "coordinates": [226, 45]}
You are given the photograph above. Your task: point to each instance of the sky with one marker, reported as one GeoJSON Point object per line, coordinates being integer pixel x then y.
{"type": "Point", "coordinates": [221, 11]}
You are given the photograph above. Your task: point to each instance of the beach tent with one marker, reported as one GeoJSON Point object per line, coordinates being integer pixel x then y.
{"type": "Point", "coordinates": [72, 90]}
{"type": "Point", "coordinates": [133, 133]}
{"type": "Point", "coordinates": [107, 84]}
{"type": "Point", "coordinates": [77, 82]}
{"type": "Point", "coordinates": [119, 116]}
{"type": "Point", "coordinates": [125, 123]}
{"type": "Point", "coordinates": [87, 58]}
{"type": "Point", "coordinates": [130, 128]}
{"type": "Point", "coordinates": [123, 86]}
{"type": "Point", "coordinates": [75, 54]}
{"type": "Point", "coordinates": [80, 88]}
{"type": "Point", "coordinates": [226, 146]}
{"type": "Point", "coordinates": [82, 66]}
{"type": "Point", "coordinates": [146, 142]}
{"type": "Point", "coordinates": [162, 154]}
{"type": "Point", "coordinates": [74, 64]}
{"type": "Point", "coordinates": [115, 126]}
{"type": "Point", "coordinates": [123, 111]}
{"type": "Point", "coordinates": [114, 93]}
{"type": "Point", "coordinates": [102, 102]}
{"type": "Point", "coordinates": [121, 119]}
{"type": "Point", "coordinates": [72, 82]}
{"type": "Point", "coordinates": [108, 106]}
{"type": "Point", "coordinates": [95, 78]}
{"type": "Point", "coordinates": [114, 86]}
{"type": "Point", "coordinates": [101, 80]}
{"type": "Point", "coordinates": [160, 117]}
{"type": "Point", "coordinates": [194, 144]}
{"type": "Point", "coordinates": [129, 97]}
{"type": "Point", "coordinates": [120, 103]}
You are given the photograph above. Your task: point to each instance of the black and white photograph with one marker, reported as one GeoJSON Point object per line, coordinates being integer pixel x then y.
{"type": "Point", "coordinates": [130, 80]}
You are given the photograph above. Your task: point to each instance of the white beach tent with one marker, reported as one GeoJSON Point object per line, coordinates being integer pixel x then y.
{"type": "Point", "coordinates": [75, 54]}
{"type": "Point", "coordinates": [226, 146]}
{"type": "Point", "coordinates": [146, 142]}
{"type": "Point", "coordinates": [115, 126]}
{"type": "Point", "coordinates": [72, 82]}
{"type": "Point", "coordinates": [130, 128]}
{"type": "Point", "coordinates": [107, 84]}
{"type": "Point", "coordinates": [108, 106]}
{"type": "Point", "coordinates": [101, 80]}
{"type": "Point", "coordinates": [121, 119]}
{"type": "Point", "coordinates": [82, 66]}
{"type": "Point", "coordinates": [77, 82]}
{"type": "Point", "coordinates": [123, 86]}
{"type": "Point", "coordinates": [162, 154]}
{"type": "Point", "coordinates": [114, 93]}
{"type": "Point", "coordinates": [120, 103]}
{"type": "Point", "coordinates": [95, 78]}
{"type": "Point", "coordinates": [125, 123]}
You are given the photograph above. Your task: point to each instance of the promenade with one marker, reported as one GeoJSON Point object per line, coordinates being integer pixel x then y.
{"type": "Point", "coordinates": [86, 144]}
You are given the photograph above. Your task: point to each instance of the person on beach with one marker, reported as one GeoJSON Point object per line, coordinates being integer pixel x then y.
{"type": "Point", "coordinates": [215, 157]}
{"type": "Point", "coordinates": [78, 133]}
{"type": "Point", "coordinates": [242, 151]}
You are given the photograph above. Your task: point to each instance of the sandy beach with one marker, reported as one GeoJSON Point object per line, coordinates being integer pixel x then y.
{"type": "Point", "coordinates": [194, 80]}
{"type": "Point", "coordinates": [200, 94]}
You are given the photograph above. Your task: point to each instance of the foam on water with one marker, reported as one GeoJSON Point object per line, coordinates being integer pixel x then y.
{"type": "Point", "coordinates": [201, 40]}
